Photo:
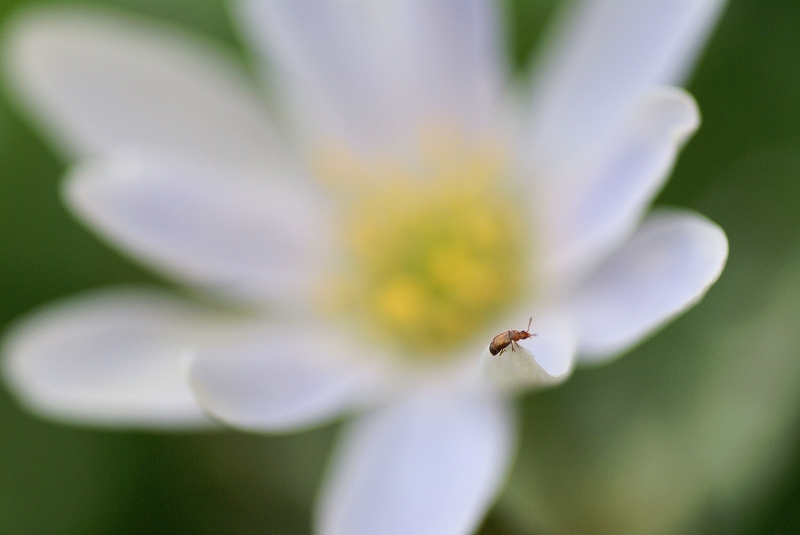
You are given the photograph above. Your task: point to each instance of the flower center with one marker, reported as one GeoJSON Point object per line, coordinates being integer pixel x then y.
{"type": "Point", "coordinates": [435, 252]}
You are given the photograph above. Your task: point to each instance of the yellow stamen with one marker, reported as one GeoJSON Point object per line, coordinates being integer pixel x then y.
{"type": "Point", "coordinates": [436, 252]}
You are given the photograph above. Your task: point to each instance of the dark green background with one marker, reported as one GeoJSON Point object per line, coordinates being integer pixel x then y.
{"type": "Point", "coordinates": [695, 431]}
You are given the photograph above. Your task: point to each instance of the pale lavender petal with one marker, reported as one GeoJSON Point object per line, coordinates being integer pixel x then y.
{"type": "Point", "coordinates": [428, 465]}
{"type": "Point", "coordinates": [113, 358]}
{"type": "Point", "coordinates": [594, 206]}
{"type": "Point", "coordinates": [373, 73]}
{"type": "Point", "coordinates": [601, 58]}
{"type": "Point", "coordinates": [97, 81]}
{"type": "Point", "coordinates": [666, 267]}
{"type": "Point", "coordinates": [287, 378]}
{"type": "Point", "coordinates": [257, 239]}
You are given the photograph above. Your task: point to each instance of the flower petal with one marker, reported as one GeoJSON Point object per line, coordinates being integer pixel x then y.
{"type": "Point", "coordinates": [255, 239]}
{"type": "Point", "coordinates": [287, 378]}
{"type": "Point", "coordinates": [113, 358]}
{"type": "Point", "coordinates": [101, 81]}
{"type": "Point", "coordinates": [545, 358]}
{"type": "Point", "coordinates": [593, 207]}
{"type": "Point", "coordinates": [666, 267]}
{"type": "Point", "coordinates": [374, 72]}
{"type": "Point", "coordinates": [602, 57]}
{"type": "Point", "coordinates": [429, 465]}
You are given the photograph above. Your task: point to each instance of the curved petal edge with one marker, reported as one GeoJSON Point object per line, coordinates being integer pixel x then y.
{"type": "Point", "coordinates": [665, 268]}
{"type": "Point", "coordinates": [283, 379]}
{"type": "Point", "coordinates": [113, 358]}
{"type": "Point", "coordinates": [429, 465]}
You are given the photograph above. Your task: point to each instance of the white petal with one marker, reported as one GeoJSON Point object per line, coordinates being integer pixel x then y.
{"type": "Point", "coordinates": [666, 267]}
{"type": "Point", "coordinates": [287, 378]}
{"type": "Point", "coordinates": [255, 239]}
{"type": "Point", "coordinates": [595, 205]}
{"type": "Point", "coordinates": [102, 81]}
{"type": "Point", "coordinates": [373, 72]}
{"type": "Point", "coordinates": [113, 358]}
{"type": "Point", "coordinates": [430, 465]}
{"type": "Point", "coordinates": [543, 359]}
{"type": "Point", "coordinates": [603, 56]}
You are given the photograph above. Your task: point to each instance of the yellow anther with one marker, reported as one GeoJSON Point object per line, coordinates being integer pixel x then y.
{"type": "Point", "coordinates": [436, 252]}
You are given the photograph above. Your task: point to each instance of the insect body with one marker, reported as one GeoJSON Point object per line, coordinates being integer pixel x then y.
{"type": "Point", "coordinates": [504, 339]}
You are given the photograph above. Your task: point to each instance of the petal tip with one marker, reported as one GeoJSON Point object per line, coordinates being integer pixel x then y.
{"type": "Point", "coordinates": [666, 268]}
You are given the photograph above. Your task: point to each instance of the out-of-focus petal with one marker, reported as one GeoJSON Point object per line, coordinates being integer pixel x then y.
{"type": "Point", "coordinates": [603, 55]}
{"type": "Point", "coordinates": [666, 267]}
{"type": "Point", "coordinates": [373, 72]}
{"type": "Point", "coordinates": [97, 81]}
{"type": "Point", "coordinates": [429, 465]}
{"type": "Point", "coordinates": [287, 378]}
{"type": "Point", "coordinates": [255, 239]}
{"type": "Point", "coordinates": [543, 359]}
{"type": "Point", "coordinates": [114, 358]}
{"type": "Point", "coordinates": [593, 207]}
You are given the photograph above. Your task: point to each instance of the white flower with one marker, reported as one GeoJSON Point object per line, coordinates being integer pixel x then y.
{"type": "Point", "coordinates": [409, 208]}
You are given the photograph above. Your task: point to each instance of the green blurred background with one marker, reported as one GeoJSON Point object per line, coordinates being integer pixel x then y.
{"type": "Point", "coordinates": [695, 431]}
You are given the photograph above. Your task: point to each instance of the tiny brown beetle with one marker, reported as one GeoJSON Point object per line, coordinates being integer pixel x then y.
{"type": "Point", "coordinates": [504, 339]}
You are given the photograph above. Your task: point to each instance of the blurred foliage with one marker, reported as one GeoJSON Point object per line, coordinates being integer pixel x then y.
{"type": "Point", "coordinates": [695, 431]}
